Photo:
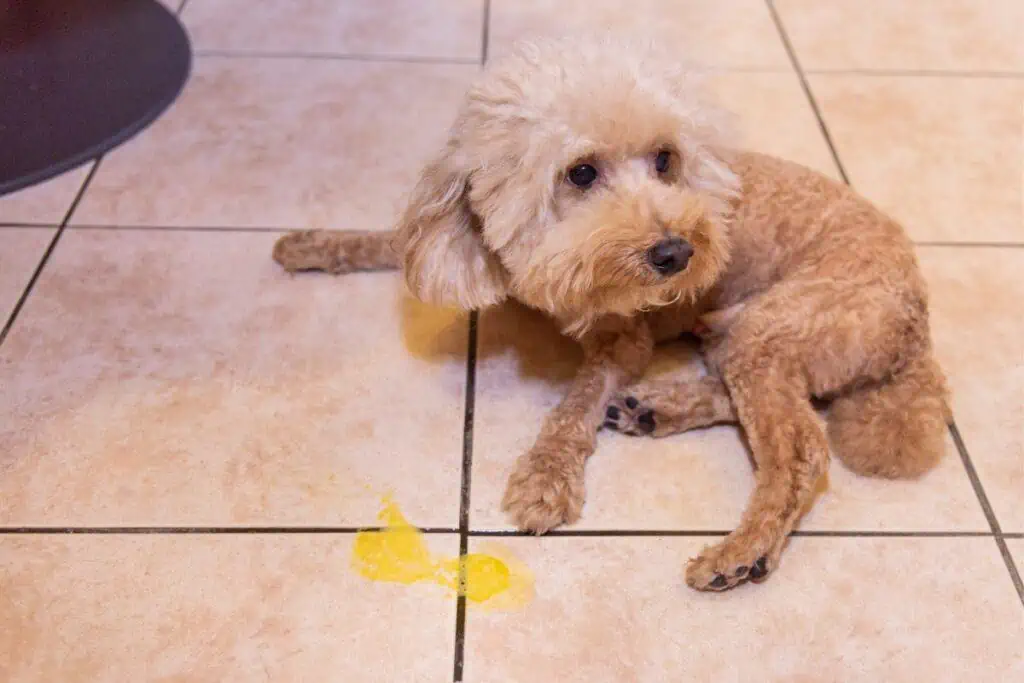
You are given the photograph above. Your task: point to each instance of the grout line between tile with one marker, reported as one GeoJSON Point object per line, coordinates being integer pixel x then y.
{"type": "Point", "coordinates": [464, 498]}
{"type": "Point", "coordinates": [28, 224]}
{"type": "Point", "coordinates": [482, 533]}
{"type": "Point", "coordinates": [806, 88]}
{"type": "Point", "coordinates": [467, 426]}
{"type": "Point", "coordinates": [49, 250]}
{"type": "Point", "coordinates": [485, 33]}
{"type": "Point", "coordinates": [974, 245]}
{"type": "Point", "coordinates": [200, 530]}
{"type": "Point", "coordinates": [916, 73]}
{"type": "Point", "coordinates": [269, 229]}
{"type": "Point", "coordinates": [592, 533]}
{"type": "Point", "coordinates": [220, 53]}
{"type": "Point", "coordinates": [891, 534]}
{"type": "Point", "coordinates": [459, 655]}
{"type": "Point", "coordinates": [332, 56]}
{"type": "Point", "coordinates": [986, 507]}
{"type": "Point", "coordinates": [697, 533]}
{"type": "Point", "coordinates": [215, 53]}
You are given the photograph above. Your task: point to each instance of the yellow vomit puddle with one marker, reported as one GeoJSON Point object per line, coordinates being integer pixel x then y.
{"type": "Point", "coordinates": [399, 554]}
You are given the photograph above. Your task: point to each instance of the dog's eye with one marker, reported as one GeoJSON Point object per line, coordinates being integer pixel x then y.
{"type": "Point", "coordinates": [663, 161]}
{"type": "Point", "coordinates": [582, 175]}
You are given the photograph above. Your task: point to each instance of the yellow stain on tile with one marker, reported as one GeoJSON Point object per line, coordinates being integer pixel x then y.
{"type": "Point", "coordinates": [399, 554]}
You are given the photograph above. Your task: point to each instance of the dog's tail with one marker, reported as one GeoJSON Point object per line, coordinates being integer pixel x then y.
{"type": "Point", "coordinates": [896, 428]}
{"type": "Point", "coordinates": [337, 251]}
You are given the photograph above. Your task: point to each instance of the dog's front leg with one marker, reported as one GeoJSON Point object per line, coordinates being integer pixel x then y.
{"type": "Point", "coordinates": [546, 487]}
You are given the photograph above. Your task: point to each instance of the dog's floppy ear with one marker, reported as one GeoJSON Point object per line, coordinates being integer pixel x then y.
{"type": "Point", "coordinates": [444, 257]}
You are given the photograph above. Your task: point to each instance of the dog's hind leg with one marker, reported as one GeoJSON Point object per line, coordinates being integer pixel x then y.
{"type": "Point", "coordinates": [790, 449]}
{"type": "Point", "coordinates": [336, 251]}
{"type": "Point", "coordinates": [895, 428]}
{"type": "Point", "coordinates": [662, 407]}
{"type": "Point", "coordinates": [803, 338]}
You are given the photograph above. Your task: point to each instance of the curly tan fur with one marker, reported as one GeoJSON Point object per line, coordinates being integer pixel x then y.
{"type": "Point", "coordinates": [799, 288]}
{"type": "Point", "coordinates": [336, 252]}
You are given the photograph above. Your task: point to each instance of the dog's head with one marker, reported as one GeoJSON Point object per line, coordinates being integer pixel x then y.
{"type": "Point", "coordinates": [582, 178]}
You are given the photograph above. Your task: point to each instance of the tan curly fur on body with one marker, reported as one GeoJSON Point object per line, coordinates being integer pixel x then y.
{"type": "Point", "coordinates": [588, 179]}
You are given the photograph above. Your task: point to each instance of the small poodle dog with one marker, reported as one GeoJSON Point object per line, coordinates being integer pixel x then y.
{"type": "Point", "coordinates": [587, 178]}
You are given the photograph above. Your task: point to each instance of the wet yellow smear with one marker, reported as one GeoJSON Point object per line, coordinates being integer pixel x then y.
{"type": "Point", "coordinates": [399, 554]}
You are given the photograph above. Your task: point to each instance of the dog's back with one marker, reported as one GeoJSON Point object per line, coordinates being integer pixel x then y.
{"type": "Point", "coordinates": [836, 281]}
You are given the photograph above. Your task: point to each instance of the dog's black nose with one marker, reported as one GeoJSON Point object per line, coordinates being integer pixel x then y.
{"type": "Point", "coordinates": [670, 256]}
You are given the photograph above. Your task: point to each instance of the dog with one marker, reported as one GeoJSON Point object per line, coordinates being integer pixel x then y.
{"type": "Point", "coordinates": [588, 178]}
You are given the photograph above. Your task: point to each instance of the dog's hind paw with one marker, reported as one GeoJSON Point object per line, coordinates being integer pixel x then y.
{"type": "Point", "coordinates": [663, 407]}
{"type": "Point", "coordinates": [730, 563]}
{"type": "Point", "coordinates": [304, 250]}
{"type": "Point", "coordinates": [627, 415]}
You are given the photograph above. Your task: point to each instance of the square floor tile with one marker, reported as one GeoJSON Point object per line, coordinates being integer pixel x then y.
{"type": "Point", "coordinates": [45, 203]}
{"type": "Point", "coordinates": [699, 480]}
{"type": "Point", "coordinates": [180, 378]}
{"type": "Point", "coordinates": [448, 29]}
{"type": "Point", "coordinates": [976, 296]}
{"type": "Point", "coordinates": [20, 252]}
{"type": "Point", "coordinates": [771, 114]}
{"type": "Point", "coordinates": [729, 33]}
{"type": "Point", "coordinates": [284, 143]}
{"type": "Point", "coordinates": [943, 155]}
{"type": "Point", "coordinates": [964, 35]}
{"type": "Point", "coordinates": [837, 609]}
{"type": "Point", "coordinates": [213, 608]}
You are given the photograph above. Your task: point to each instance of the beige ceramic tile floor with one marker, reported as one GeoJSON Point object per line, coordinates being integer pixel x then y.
{"type": "Point", "coordinates": [215, 432]}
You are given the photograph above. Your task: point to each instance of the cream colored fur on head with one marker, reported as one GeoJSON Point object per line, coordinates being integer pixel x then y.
{"type": "Point", "coordinates": [495, 215]}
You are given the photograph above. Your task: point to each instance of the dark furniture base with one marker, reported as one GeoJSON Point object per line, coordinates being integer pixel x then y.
{"type": "Point", "coordinates": [79, 77]}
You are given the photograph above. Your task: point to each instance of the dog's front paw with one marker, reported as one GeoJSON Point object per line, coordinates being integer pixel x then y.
{"type": "Point", "coordinates": [737, 559]}
{"type": "Point", "coordinates": [546, 490]}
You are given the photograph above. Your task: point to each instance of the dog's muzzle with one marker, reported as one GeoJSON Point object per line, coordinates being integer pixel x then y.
{"type": "Point", "coordinates": [670, 256]}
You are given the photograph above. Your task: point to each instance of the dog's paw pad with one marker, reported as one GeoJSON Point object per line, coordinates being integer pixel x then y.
{"type": "Point", "coordinates": [720, 568]}
{"type": "Point", "coordinates": [722, 582]}
{"type": "Point", "coordinates": [760, 570]}
{"type": "Point", "coordinates": [628, 416]}
{"type": "Point", "coordinates": [645, 421]}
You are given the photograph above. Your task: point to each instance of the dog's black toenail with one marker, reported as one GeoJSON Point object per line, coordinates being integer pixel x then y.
{"type": "Point", "coordinates": [741, 571]}
{"type": "Point", "coordinates": [760, 568]}
{"type": "Point", "coordinates": [613, 413]}
{"type": "Point", "coordinates": [632, 403]}
{"type": "Point", "coordinates": [719, 581]}
{"type": "Point", "coordinates": [646, 421]}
